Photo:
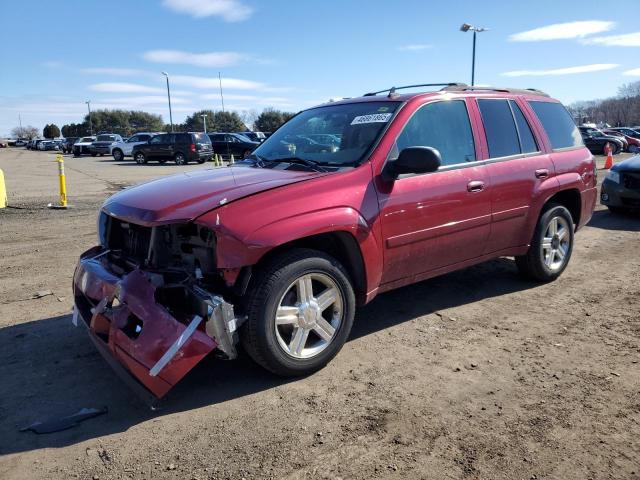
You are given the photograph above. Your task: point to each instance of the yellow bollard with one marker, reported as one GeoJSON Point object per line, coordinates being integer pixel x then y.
{"type": "Point", "coordinates": [232, 160]}
{"type": "Point", "coordinates": [3, 191]}
{"type": "Point", "coordinates": [218, 161]}
{"type": "Point", "coordinates": [63, 184]}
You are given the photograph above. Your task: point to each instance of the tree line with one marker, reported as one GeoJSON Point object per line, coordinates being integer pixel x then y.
{"type": "Point", "coordinates": [622, 110]}
{"type": "Point", "coordinates": [128, 122]}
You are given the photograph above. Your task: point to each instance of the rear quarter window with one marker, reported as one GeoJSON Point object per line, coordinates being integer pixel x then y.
{"type": "Point", "coordinates": [558, 124]}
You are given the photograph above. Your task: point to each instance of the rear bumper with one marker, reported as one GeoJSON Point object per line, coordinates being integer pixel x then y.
{"type": "Point", "coordinates": [150, 348]}
{"type": "Point", "coordinates": [613, 194]}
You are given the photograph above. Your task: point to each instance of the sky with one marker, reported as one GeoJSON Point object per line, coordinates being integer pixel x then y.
{"type": "Point", "coordinates": [291, 55]}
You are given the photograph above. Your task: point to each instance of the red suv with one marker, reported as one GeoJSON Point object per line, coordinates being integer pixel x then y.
{"type": "Point", "coordinates": [278, 250]}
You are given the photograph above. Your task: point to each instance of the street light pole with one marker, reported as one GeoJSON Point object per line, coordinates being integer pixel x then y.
{"type": "Point", "coordinates": [465, 28]}
{"type": "Point", "coordinates": [204, 118]}
{"type": "Point", "coordinates": [169, 97]}
{"type": "Point", "coordinates": [88, 102]}
{"type": "Point", "coordinates": [221, 96]}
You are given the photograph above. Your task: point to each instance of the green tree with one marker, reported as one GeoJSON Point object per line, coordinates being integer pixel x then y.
{"type": "Point", "coordinates": [195, 123]}
{"type": "Point", "coordinates": [270, 120]}
{"type": "Point", "coordinates": [124, 122]}
{"type": "Point", "coordinates": [54, 131]}
{"type": "Point", "coordinates": [45, 131]}
{"type": "Point", "coordinates": [75, 130]}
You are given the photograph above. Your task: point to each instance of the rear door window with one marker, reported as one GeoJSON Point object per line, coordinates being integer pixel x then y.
{"type": "Point", "coordinates": [444, 126]}
{"type": "Point", "coordinates": [560, 127]}
{"type": "Point", "coordinates": [527, 140]}
{"type": "Point", "coordinates": [499, 127]}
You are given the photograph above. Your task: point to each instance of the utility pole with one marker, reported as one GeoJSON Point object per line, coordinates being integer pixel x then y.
{"type": "Point", "coordinates": [204, 119]}
{"type": "Point", "coordinates": [88, 102]}
{"type": "Point", "coordinates": [20, 121]}
{"type": "Point", "coordinates": [221, 97]}
{"type": "Point", "coordinates": [169, 97]}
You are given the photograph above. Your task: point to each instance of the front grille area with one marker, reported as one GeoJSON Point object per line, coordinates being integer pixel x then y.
{"type": "Point", "coordinates": [631, 180]}
{"type": "Point", "coordinates": [128, 238]}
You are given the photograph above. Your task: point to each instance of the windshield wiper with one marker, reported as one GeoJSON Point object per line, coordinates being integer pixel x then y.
{"type": "Point", "coordinates": [258, 161]}
{"type": "Point", "coordinates": [300, 161]}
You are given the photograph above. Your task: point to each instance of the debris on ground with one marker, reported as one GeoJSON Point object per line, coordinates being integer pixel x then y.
{"type": "Point", "coordinates": [63, 423]}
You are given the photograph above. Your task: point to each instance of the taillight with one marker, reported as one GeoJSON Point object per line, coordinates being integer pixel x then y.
{"type": "Point", "coordinates": [193, 147]}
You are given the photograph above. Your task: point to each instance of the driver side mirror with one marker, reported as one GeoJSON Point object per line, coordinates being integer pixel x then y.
{"type": "Point", "coordinates": [413, 160]}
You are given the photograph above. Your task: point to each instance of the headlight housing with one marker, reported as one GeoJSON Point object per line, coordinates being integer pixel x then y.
{"type": "Point", "coordinates": [613, 176]}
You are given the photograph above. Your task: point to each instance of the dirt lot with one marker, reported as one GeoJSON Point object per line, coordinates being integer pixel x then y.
{"type": "Point", "coordinates": [474, 375]}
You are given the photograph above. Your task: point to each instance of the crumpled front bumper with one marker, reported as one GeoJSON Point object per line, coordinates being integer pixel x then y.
{"type": "Point", "coordinates": [128, 325]}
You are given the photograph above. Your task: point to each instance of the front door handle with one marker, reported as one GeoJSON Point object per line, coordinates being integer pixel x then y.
{"type": "Point", "coordinates": [475, 186]}
{"type": "Point", "coordinates": [542, 173]}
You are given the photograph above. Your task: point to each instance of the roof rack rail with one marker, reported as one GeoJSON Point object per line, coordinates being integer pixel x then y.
{"type": "Point", "coordinates": [522, 91]}
{"type": "Point", "coordinates": [392, 90]}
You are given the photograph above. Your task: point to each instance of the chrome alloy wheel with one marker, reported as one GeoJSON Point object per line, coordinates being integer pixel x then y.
{"type": "Point", "coordinates": [556, 243]}
{"type": "Point", "coordinates": [308, 316]}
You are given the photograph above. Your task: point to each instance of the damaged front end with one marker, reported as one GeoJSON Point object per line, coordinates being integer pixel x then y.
{"type": "Point", "coordinates": [153, 300]}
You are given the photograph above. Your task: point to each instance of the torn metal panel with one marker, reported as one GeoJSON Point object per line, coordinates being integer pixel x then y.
{"type": "Point", "coordinates": [157, 330]}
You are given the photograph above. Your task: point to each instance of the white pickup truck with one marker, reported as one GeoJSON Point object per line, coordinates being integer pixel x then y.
{"type": "Point", "coordinates": [123, 149]}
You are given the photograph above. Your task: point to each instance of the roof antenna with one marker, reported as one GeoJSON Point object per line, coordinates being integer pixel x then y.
{"type": "Point", "coordinates": [392, 93]}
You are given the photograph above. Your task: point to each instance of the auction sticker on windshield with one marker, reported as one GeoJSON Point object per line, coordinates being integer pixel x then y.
{"type": "Point", "coordinates": [373, 118]}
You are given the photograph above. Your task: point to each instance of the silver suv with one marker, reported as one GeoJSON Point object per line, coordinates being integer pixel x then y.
{"type": "Point", "coordinates": [124, 148]}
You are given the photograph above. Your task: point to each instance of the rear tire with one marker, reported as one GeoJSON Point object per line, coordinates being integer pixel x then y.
{"type": "Point", "coordinates": [300, 310]}
{"type": "Point", "coordinates": [551, 245]}
{"type": "Point", "coordinates": [180, 159]}
{"type": "Point", "coordinates": [94, 154]}
{"type": "Point", "coordinates": [140, 158]}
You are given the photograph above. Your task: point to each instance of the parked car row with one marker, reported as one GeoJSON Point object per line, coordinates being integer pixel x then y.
{"type": "Point", "coordinates": [619, 139]}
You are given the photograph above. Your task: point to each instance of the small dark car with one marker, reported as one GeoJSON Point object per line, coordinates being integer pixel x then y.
{"type": "Point", "coordinates": [67, 144]}
{"type": "Point", "coordinates": [235, 144]}
{"type": "Point", "coordinates": [596, 141]}
{"type": "Point", "coordinates": [621, 187]}
{"type": "Point", "coordinates": [182, 148]}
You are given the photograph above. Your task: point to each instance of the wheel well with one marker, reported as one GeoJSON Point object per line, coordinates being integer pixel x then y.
{"type": "Point", "coordinates": [340, 245]}
{"type": "Point", "coordinates": [571, 200]}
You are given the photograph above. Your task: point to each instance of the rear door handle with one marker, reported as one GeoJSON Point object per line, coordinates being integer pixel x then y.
{"type": "Point", "coordinates": [475, 186]}
{"type": "Point", "coordinates": [542, 173]}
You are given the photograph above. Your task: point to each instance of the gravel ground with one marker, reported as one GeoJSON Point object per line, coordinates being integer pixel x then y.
{"type": "Point", "coordinates": [473, 375]}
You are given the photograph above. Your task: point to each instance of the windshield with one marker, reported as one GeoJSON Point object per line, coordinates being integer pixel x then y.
{"type": "Point", "coordinates": [242, 137]}
{"type": "Point", "coordinates": [332, 135]}
{"type": "Point", "coordinates": [106, 138]}
{"type": "Point", "coordinates": [86, 140]}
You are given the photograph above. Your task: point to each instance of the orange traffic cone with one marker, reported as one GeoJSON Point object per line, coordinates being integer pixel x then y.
{"type": "Point", "coordinates": [609, 162]}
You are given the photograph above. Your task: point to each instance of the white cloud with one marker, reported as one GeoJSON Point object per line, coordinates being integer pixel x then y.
{"type": "Point", "coordinates": [229, 10]}
{"type": "Point", "coordinates": [211, 59]}
{"type": "Point", "coordinates": [559, 31]}
{"type": "Point", "coordinates": [122, 87]}
{"type": "Point", "coordinates": [633, 72]}
{"type": "Point", "coordinates": [254, 100]}
{"type": "Point", "coordinates": [212, 82]}
{"type": "Point", "coordinates": [116, 72]}
{"type": "Point", "coordinates": [416, 47]}
{"type": "Point", "coordinates": [141, 100]}
{"type": "Point", "coordinates": [596, 67]}
{"type": "Point", "coordinates": [52, 64]}
{"type": "Point", "coordinates": [625, 40]}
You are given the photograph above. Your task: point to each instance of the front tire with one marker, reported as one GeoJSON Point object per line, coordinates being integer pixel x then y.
{"type": "Point", "coordinates": [300, 310]}
{"type": "Point", "coordinates": [118, 156]}
{"type": "Point", "coordinates": [551, 246]}
{"type": "Point", "coordinates": [140, 158]}
{"type": "Point", "coordinates": [617, 210]}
